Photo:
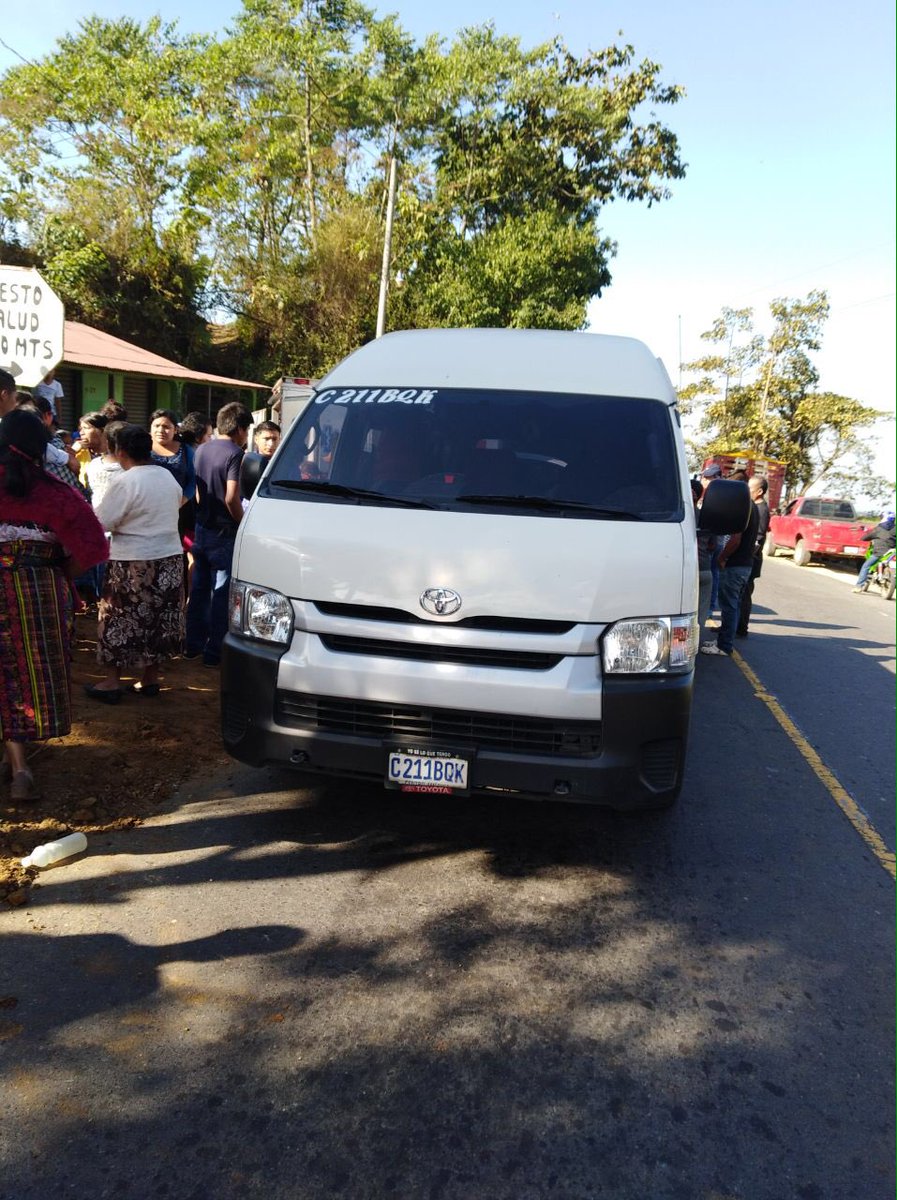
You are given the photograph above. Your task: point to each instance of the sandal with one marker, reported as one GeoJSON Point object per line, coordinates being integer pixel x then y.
{"type": "Point", "coordinates": [22, 787]}
{"type": "Point", "coordinates": [104, 695]}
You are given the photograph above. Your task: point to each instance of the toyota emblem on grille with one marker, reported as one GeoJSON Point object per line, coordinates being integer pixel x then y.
{"type": "Point", "coordinates": [440, 601]}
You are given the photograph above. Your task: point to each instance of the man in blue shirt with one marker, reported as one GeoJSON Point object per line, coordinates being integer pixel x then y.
{"type": "Point", "coordinates": [218, 514]}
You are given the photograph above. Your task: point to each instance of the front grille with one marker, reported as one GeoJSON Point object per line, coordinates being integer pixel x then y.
{"type": "Point", "coordinates": [420, 652]}
{"type": "Point", "coordinates": [373, 612]}
{"type": "Point", "coordinates": [405, 724]}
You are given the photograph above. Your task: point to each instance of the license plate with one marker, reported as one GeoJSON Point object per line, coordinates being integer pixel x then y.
{"type": "Point", "coordinates": [439, 771]}
{"type": "Point", "coordinates": [851, 550]}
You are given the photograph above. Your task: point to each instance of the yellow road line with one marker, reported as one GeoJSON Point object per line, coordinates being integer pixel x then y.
{"type": "Point", "coordinates": [841, 797]}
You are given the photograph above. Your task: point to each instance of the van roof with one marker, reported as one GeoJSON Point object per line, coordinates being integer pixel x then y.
{"type": "Point", "coordinates": [507, 359]}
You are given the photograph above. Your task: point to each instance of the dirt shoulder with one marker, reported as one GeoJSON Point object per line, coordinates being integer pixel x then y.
{"type": "Point", "coordinates": [117, 766]}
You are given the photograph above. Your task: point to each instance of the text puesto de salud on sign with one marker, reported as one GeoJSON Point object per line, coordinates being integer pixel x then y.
{"type": "Point", "coordinates": [31, 320]}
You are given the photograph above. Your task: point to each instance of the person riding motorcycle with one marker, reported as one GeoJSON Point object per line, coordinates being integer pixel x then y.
{"type": "Point", "coordinates": [883, 539]}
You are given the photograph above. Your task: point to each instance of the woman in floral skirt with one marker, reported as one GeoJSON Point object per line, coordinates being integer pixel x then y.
{"type": "Point", "coordinates": [141, 612]}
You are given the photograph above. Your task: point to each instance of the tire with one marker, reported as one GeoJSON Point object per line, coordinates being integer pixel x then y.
{"type": "Point", "coordinates": [769, 547]}
{"type": "Point", "coordinates": [802, 556]}
{"type": "Point", "coordinates": [890, 595]}
{"type": "Point", "coordinates": [886, 584]}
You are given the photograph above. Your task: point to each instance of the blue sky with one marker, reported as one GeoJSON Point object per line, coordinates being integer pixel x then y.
{"type": "Point", "coordinates": [788, 130]}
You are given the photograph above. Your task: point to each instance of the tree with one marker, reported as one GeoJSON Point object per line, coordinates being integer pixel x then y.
{"type": "Point", "coordinates": [164, 179]}
{"type": "Point", "coordinates": [284, 104]}
{"type": "Point", "coordinates": [531, 271]}
{"type": "Point", "coordinates": [120, 279]}
{"type": "Point", "coordinates": [102, 141]}
{"type": "Point", "coordinates": [523, 146]}
{"type": "Point", "coordinates": [760, 394]}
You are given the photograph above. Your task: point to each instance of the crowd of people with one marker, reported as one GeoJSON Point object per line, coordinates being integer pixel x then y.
{"type": "Point", "coordinates": [140, 521]}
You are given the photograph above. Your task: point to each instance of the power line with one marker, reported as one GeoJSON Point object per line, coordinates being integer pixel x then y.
{"type": "Point", "coordinates": [860, 303]}
{"type": "Point", "coordinates": [877, 249]}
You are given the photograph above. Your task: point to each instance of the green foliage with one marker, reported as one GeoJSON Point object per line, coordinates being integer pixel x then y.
{"type": "Point", "coordinates": [321, 312]}
{"type": "Point", "coordinates": [517, 130]}
{"type": "Point", "coordinates": [529, 272]}
{"type": "Point", "coordinates": [520, 151]}
{"type": "Point", "coordinates": [148, 297]}
{"type": "Point", "coordinates": [760, 393]}
{"type": "Point", "coordinates": [113, 105]}
{"type": "Point", "coordinates": [101, 127]}
{"type": "Point", "coordinates": [159, 177]}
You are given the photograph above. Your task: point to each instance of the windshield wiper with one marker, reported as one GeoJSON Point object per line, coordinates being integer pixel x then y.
{"type": "Point", "coordinates": [549, 504]}
{"type": "Point", "coordinates": [350, 493]}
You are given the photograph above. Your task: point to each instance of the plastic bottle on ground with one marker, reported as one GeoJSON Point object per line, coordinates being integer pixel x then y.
{"type": "Point", "coordinates": [53, 852]}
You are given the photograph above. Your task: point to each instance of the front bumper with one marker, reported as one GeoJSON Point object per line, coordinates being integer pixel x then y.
{"type": "Point", "coordinates": [634, 758]}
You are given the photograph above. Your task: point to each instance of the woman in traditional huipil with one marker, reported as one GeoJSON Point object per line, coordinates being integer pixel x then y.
{"type": "Point", "coordinates": [48, 537]}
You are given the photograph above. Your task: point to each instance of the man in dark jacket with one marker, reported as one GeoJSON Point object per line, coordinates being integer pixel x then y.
{"type": "Point", "coordinates": [735, 568]}
{"type": "Point", "coordinates": [882, 539]}
{"type": "Point", "coordinates": [758, 488]}
{"type": "Point", "coordinates": [218, 513]}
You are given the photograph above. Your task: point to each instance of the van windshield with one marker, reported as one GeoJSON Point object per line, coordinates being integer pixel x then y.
{"type": "Point", "coordinates": [549, 454]}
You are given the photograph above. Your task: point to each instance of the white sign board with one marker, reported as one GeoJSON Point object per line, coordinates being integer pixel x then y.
{"type": "Point", "coordinates": [32, 324]}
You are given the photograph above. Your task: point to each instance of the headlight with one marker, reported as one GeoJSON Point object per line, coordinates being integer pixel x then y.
{"type": "Point", "coordinates": [651, 645]}
{"type": "Point", "coordinates": [258, 612]}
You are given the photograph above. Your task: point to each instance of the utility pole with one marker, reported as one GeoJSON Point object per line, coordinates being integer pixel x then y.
{"type": "Point", "coordinates": [387, 246]}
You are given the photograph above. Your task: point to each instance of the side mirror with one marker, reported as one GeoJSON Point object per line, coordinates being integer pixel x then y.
{"type": "Point", "coordinates": [726, 507]}
{"type": "Point", "coordinates": [252, 468]}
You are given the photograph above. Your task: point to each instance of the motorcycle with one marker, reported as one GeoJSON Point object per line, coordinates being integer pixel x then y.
{"type": "Point", "coordinates": [883, 575]}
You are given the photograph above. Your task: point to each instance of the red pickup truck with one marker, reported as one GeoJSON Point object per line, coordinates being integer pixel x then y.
{"type": "Point", "coordinates": [817, 526]}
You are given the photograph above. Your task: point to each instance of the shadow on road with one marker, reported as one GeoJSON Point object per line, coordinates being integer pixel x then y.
{"type": "Point", "coordinates": [477, 999]}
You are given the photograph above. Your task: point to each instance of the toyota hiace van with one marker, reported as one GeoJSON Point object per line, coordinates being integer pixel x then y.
{"type": "Point", "coordinates": [471, 568]}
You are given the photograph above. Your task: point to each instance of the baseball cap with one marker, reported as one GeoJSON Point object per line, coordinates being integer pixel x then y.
{"type": "Point", "coordinates": [712, 472]}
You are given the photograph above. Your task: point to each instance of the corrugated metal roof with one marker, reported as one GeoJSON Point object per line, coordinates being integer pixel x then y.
{"type": "Point", "coordinates": [87, 347]}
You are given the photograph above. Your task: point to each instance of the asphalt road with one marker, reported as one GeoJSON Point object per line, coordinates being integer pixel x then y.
{"type": "Point", "coordinates": [278, 994]}
{"type": "Point", "coordinates": [829, 656]}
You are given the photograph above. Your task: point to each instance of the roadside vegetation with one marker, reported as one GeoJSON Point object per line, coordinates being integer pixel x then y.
{"type": "Point", "coordinates": [760, 393]}
{"type": "Point", "coordinates": [159, 179]}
